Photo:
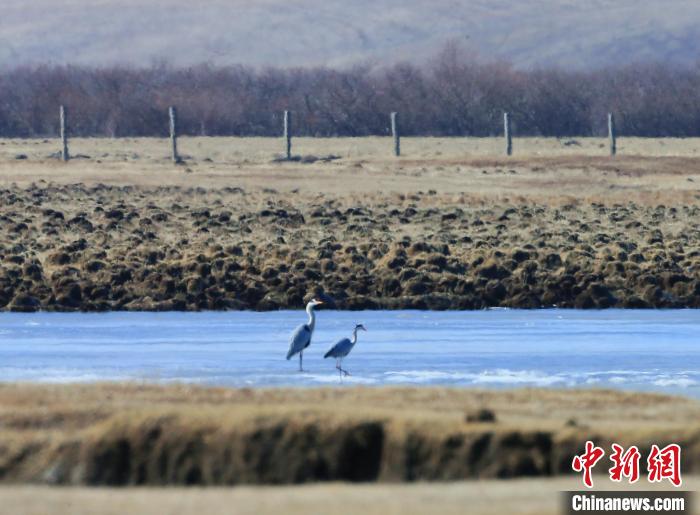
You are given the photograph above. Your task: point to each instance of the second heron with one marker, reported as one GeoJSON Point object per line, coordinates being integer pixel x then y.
{"type": "Point", "coordinates": [342, 348]}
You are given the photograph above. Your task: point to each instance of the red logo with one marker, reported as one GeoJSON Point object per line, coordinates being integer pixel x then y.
{"type": "Point", "coordinates": [661, 463]}
{"type": "Point", "coordinates": [626, 464]}
{"type": "Point", "coordinates": [585, 462]}
{"type": "Point", "coordinates": [665, 464]}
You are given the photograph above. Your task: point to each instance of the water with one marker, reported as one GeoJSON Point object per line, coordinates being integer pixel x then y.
{"type": "Point", "coordinates": [640, 350]}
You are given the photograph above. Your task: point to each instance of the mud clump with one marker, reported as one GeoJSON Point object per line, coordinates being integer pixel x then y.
{"type": "Point", "coordinates": [482, 415]}
{"type": "Point", "coordinates": [95, 248]}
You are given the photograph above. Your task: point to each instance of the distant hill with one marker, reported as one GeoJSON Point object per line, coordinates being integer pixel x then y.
{"type": "Point", "coordinates": [572, 33]}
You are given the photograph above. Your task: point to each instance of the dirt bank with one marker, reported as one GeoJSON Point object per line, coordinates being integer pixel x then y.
{"type": "Point", "coordinates": [148, 435]}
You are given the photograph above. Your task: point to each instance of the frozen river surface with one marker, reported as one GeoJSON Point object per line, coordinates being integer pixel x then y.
{"type": "Point", "coordinates": [640, 350]}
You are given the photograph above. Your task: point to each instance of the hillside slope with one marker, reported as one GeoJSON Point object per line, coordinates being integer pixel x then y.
{"type": "Point", "coordinates": [335, 32]}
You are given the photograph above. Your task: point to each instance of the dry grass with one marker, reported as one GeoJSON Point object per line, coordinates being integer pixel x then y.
{"type": "Point", "coordinates": [130, 434]}
{"type": "Point", "coordinates": [647, 171]}
{"type": "Point", "coordinates": [78, 406]}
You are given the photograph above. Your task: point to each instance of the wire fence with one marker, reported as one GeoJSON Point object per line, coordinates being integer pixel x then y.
{"type": "Point", "coordinates": [287, 134]}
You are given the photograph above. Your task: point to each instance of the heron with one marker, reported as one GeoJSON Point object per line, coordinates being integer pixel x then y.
{"type": "Point", "coordinates": [301, 337]}
{"type": "Point", "coordinates": [342, 348]}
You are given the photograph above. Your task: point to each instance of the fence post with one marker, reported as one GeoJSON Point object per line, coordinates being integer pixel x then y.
{"type": "Point", "coordinates": [172, 113]}
{"type": "Point", "coordinates": [612, 134]}
{"type": "Point", "coordinates": [395, 133]}
{"type": "Point", "coordinates": [65, 156]}
{"type": "Point", "coordinates": [507, 133]}
{"type": "Point", "coordinates": [288, 133]}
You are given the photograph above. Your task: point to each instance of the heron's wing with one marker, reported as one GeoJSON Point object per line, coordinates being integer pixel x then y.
{"type": "Point", "coordinates": [340, 349]}
{"type": "Point", "coordinates": [301, 338]}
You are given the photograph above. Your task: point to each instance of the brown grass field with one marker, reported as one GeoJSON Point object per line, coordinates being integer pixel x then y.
{"type": "Point", "coordinates": [645, 170]}
{"type": "Point", "coordinates": [142, 437]}
{"type": "Point", "coordinates": [450, 225]}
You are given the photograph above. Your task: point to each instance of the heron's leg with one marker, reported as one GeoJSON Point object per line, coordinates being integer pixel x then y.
{"type": "Point", "coordinates": [301, 357]}
{"type": "Point", "coordinates": [341, 368]}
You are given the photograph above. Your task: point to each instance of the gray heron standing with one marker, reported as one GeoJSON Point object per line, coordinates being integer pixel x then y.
{"type": "Point", "coordinates": [342, 348]}
{"type": "Point", "coordinates": [301, 337]}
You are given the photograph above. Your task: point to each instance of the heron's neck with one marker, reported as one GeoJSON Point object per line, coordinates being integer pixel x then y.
{"type": "Point", "coordinates": [312, 317]}
{"type": "Point", "coordinates": [354, 336]}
